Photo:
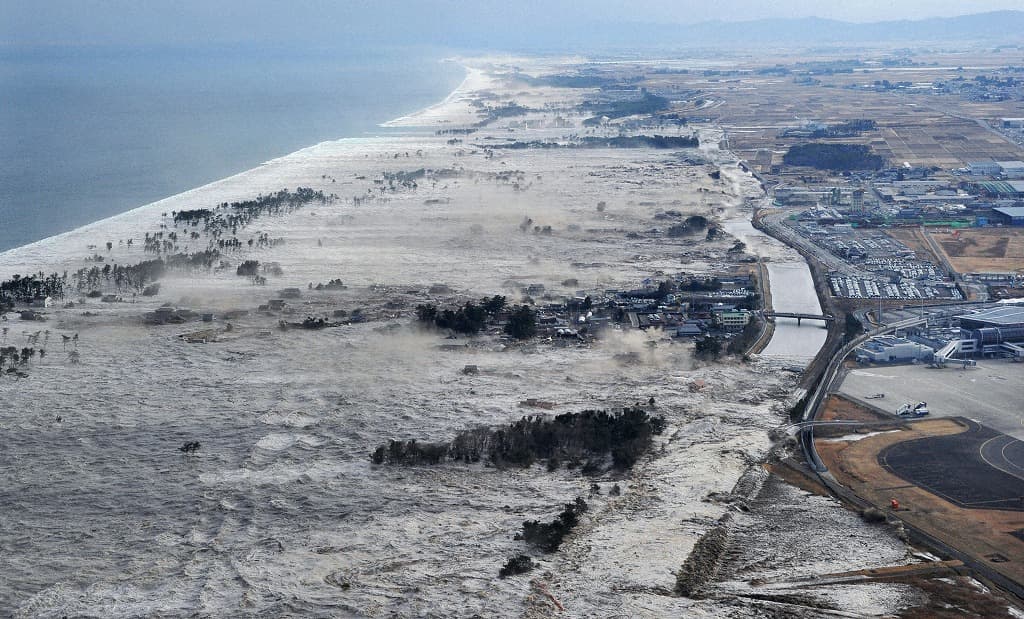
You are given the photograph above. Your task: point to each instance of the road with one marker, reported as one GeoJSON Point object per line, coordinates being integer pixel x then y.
{"type": "Point", "coordinates": [1004, 453]}
{"type": "Point", "coordinates": [775, 223]}
{"type": "Point", "coordinates": [813, 406]}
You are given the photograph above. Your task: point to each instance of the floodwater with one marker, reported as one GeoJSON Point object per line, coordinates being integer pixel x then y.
{"type": "Point", "coordinates": [281, 513]}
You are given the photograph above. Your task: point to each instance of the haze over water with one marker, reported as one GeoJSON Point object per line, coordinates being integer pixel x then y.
{"type": "Point", "coordinates": [87, 133]}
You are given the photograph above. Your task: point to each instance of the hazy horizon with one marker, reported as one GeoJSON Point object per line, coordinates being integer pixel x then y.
{"type": "Point", "coordinates": [393, 22]}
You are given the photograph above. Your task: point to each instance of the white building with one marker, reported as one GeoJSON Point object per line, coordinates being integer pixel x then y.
{"type": "Point", "coordinates": [892, 349]}
{"type": "Point", "coordinates": [983, 168]}
{"type": "Point", "coordinates": [734, 320]}
{"type": "Point", "coordinates": [1011, 169]}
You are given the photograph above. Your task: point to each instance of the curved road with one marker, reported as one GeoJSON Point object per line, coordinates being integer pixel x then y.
{"type": "Point", "coordinates": [1004, 453]}
{"type": "Point", "coordinates": [813, 406]}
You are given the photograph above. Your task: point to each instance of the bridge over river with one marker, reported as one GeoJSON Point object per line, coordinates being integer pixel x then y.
{"type": "Point", "coordinates": [800, 317]}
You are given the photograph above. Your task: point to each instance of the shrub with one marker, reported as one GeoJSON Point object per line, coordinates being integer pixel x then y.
{"type": "Point", "coordinates": [519, 564]}
{"type": "Point", "coordinates": [708, 348]}
{"type": "Point", "coordinates": [469, 319]}
{"type": "Point", "coordinates": [852, 326]}
{"type": "Point", "coordinates": [410, 452]}
{"type": "Point", "coordinates": [593, 435]}
{"type": "Point", "coordinates": [871, 514]}
{"type": "Point", "coordinates": [249, 268]}
{"type": "Point", "coordinates": [194, 216]}
{"type": "Point", "coordinates": [426, 313]}
{"type": "Point", "coordinates": [697, 221]}
{"type": "Point", "coordinates": [522, 324]}
{"type": "Point", "coordinates": [677, 230]}
{"type": "Point", "coordinates": [548, 536]}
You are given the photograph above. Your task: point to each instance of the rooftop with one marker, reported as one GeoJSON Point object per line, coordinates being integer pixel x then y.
{"type": "Point", "coordinates": [1011, 211]}
{"type": "Point", "coordinates": [1003, 186]}
{"type": "Point", "coordinates": [1009, 315]}
{"type": "Point", "coordinates": [890, 340]}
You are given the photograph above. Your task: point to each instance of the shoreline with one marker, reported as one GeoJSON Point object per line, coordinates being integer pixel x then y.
{"type": "Point", "coordinates": [407, 120]}
{"type": "Point", "coordinates": [26, 259]}
{"type": "Point", "coordinates": [404, 121]}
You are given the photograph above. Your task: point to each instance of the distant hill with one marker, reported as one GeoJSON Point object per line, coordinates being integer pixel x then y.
{"type": "Point", "coordinates": [1005, 26]}
{"type": "Point", "coordinates": [591, 33]}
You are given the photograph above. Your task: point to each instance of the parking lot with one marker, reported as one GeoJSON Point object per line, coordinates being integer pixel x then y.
{"type": "Point", "coordinates": [853, 287]}
{"type": "Point", "coordinates": [873, 265]}
{"type": "Point", "coordinates": [989, 394]}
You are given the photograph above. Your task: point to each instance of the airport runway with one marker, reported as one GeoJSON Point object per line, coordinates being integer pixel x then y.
{"type": "Point", "coordinates": [979, 468]}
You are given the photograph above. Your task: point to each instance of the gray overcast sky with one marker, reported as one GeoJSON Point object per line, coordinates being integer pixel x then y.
{"type": "Point", "coordinates": [320, 21]}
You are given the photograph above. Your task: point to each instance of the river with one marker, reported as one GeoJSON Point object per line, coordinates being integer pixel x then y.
{"type": "Point", "coordinates": [792, 290]}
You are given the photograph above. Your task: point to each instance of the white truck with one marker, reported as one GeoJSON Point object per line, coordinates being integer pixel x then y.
{"type": "Point", "coordinates": [913, 410]}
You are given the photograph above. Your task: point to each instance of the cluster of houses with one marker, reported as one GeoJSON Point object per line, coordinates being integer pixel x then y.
{"type": "Point", "coordinates": [722, 312]}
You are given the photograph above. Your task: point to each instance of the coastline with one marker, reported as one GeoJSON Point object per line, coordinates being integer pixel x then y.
{"type": "Point", "coordinates": [25, 259]}
{"type": "Point", "coordinates": [170, 145]}
{"type": "Point", "coordinates": [444, 111]}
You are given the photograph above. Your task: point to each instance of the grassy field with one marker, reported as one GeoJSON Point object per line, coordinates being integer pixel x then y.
{"type": "Point", "coordinates": [983, 250]}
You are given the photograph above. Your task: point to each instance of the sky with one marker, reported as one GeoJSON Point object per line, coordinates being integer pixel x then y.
{"type": "Point", "coordinates": [438, 22]}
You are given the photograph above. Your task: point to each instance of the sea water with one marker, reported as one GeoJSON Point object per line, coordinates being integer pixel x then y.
{"type": "Point", "coordinates": [86, 133]}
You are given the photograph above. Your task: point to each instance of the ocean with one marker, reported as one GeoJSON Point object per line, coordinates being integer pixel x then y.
{"type": "Point", "coordinates": [89, 133]}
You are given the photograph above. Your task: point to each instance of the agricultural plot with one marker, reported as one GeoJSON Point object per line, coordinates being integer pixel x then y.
{"type": "Point", "coordinates": [998, 250]}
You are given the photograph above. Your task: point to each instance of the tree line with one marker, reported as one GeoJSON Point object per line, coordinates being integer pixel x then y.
{"type": "Point", "coordinates": [30, 287]}
{"type": "Point", "coordinates": [236, 215]}
{"type": "Point", "coordinates": [136, 277]}
{"type": "Point", "coordinates": [471, 318]}
{"type": "Point", "coordinates": [591, 436]}
{"type": "Point", "coordinates": [622, 141]}
{"type": "Point", "coordinates": [842, 157]}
